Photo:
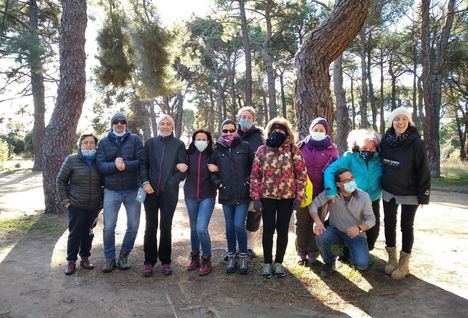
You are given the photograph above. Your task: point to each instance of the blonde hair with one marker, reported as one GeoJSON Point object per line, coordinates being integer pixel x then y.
{"type": "Point", "coordinates": [357, 137]}
{"type": "Point", "coordinates": [249, 109]}
{"type": "Point", "coordinates": [281, 121]}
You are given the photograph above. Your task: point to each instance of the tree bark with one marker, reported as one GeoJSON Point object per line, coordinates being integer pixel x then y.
{"type": "Point", "coordinates": [154, 124]}
{"type": "Point", "coordinates": [371, 86]}
{"type": "Point", "coordinates": [247, 54]}
{"type": "Point", "coordinates": [283, 95]}
{"type": "Point", "coordinates": [353, 106]}
{"type": "Point", "coordinates": [60, 132]}
{"type": "Point", "coordinates": [37, 88]}
{"type": "Point", "coordinates": [212, 111]}
{"type": "Point", "coordinates": [364, 91]}
{"type": "Point", "coordinates": [267, 59]}
{"type": "Point", "coordinates": [320, 47]}
{"type": "Point", "coordinates": [341, 107]}
{"type": "Point", "coordinates": [179, 118]}
{"type": "Point", "coordinates": [393, 83]}
{"type": "Point", "coordinates": [382, 79]}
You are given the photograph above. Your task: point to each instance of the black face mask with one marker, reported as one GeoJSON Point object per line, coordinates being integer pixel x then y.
{"type": "Point", "coordinates": [366, 155]}
{"type": "Point", "coordinates": [276, 139]}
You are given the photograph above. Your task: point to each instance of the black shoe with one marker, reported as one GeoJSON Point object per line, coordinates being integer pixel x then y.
{"type": "Point", "coordinates": [327, 270]}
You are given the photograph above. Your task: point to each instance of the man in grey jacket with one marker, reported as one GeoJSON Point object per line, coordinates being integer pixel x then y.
{"type": "Point", "coordinates": [350, 216]}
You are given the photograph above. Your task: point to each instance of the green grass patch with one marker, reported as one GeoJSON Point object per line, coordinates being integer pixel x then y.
{"type": "Point", "coordinates": [30, 223]}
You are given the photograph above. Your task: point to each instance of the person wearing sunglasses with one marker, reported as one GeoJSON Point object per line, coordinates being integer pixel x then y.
{"type": "Point", "coordinates": [233, 159]}
{"type": "Point", "coordinates": [165, 163]}
{"type": "Point", "coordinates": [119, 159]}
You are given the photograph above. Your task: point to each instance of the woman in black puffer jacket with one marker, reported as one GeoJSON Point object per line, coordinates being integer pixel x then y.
{"type": "Point", "coordinates": [406, 181]}
{"type": "Point", "coordinates": [79, 187]}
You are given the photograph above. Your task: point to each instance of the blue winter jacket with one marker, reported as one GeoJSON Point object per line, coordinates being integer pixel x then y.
{"type": "Point", "coordinates": [368, 176]}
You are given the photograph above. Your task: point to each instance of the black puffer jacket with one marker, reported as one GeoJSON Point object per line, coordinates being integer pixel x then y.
{"type": "Point", "coordinates": [405, 166]}
{"type": "Point", "coordinates": [254, 136]}
{"type": "Point", "coordinates": [130, 148]}
{"type": "Point", "coordinates": [235, 164]}
{"type": "Point", "coordinates": [162, 154]}
{"type": "Point", "coordinates": [79, 183]}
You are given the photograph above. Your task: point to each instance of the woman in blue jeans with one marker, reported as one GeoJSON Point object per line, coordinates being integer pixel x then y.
{"type": "Point", "coordinates": [200, 194]}
{"type": "Point", "coordinates": [233, 158]}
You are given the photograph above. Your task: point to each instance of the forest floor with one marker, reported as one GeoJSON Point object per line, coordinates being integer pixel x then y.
{"type": "Point", "coordinates": [33, 249]}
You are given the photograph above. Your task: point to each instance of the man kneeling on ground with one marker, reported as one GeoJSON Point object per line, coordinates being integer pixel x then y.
{"type": "Point", "coordinates": [350, 216]}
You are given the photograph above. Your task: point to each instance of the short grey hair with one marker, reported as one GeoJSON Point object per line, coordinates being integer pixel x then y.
{"type": "Point", "coordinates": [357, 137]}
{"type": "Point", "coordinates": [249, 109]}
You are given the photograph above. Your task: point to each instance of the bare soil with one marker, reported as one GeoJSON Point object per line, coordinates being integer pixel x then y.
{"type": "Point", "coordinates": [32, 259]}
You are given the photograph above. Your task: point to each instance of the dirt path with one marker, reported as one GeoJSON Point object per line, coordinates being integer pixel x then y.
{"type": "Point", "coordinates": [33, 285]}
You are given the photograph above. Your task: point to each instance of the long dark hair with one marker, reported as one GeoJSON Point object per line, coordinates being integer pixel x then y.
{"type": "Point", "coordinates": [209, 149]}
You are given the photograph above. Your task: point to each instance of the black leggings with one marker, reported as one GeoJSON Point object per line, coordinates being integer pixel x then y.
{"type": "Point", "coordinates": [276, 215]}
{"type": "Point", "coordinates": [408, 213]}
{"type": "Point", "coordinates": [373, 233]}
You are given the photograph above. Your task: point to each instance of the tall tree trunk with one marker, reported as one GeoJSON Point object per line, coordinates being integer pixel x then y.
{"type": "Point", "coordinates": [421, 105]}
{"type": "Point", "coordinates": [145, 119]}
{"type": "Point", "coordinates": [179, 114]}
{"type": "Point", "coordinates": [154, 124]}
{"type": "Point", "coordinates": [312, 83]}
{"type": "Point", "coordinates": [416, 118]}
{"type": "Point", "coordinates": [265, 106]}
{"type": "Point", "coordinates": [353, 106]}
{"type": "Point", "coordinates": [393, 81]}
{"type": "Point", "coordinates": [37, 87]}
{"type": "Point", "coordinates": [283, 95]}
{"type": "Point", "coordinates": [364, 92]}
{"type": "Point", "coordinates": [267, 59]}
{"type": "Point", "coordinates": [212, 111]}
{"type": "Point", "coordinates": [60, 132]}
{"type": "Point", "coordinates": [247, 54]}
{"type": "Point", "coordinates": [232, 91]}
{"type": "Point", "coordinates": [382, 100]}
{"type": "Point", "coordinates": [371, 86]}
{"type": "Point", "coordinates": [341, 107]}
{"type": "Point", "coordinates": [462, 130]}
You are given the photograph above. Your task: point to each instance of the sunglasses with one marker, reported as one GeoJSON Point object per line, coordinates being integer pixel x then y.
{"type": "Point", "coordinates": [122, 122]}
{"type": "Point", "coordinates": [225, 131]}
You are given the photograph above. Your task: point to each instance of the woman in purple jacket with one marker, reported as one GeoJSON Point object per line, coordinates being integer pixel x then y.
{"type": "Point", "coordinates": [200, 194]}
{"type": "Point", "coordinates": [318, 152]}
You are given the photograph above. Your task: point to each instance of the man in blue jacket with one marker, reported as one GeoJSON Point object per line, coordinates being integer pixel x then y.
{"type": "Point", "coordinates": [119, 159]}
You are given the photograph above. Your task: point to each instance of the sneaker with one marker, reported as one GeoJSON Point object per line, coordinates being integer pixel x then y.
{"type": "Point", "coordinates": [279, 270]}
{"type": "Point", "coordinates": [206, 266]}
{"type": "Point", "coordinates": [226, 255]}
{"type": "Point", "coordinates": [167, 269]}
{"type": "Point", "coordinates": [251, 254]}
{"type": "Point", "coordinates": [70, 269]}
{"type": "Point", "coordinates": [243, 263]}
{"type": "Point", "coordinates": [231, 263]}
{"type": "Point", "coordinates": [302, 258]}
{"type": "Point", "coordinates": [110, 265]}
{"type": "Point", "coordinates": [123, 262]}
{"type": "Point", "coordinates": [266, 271]}
{"type": "Point", "coordinates": [86, 263]}
{"type": "Point", "coordinates": [194, 261]}
{"type": "Point", "coordinates": [327, 270]}
{"type": "Point", "coordinates": [148, 270]}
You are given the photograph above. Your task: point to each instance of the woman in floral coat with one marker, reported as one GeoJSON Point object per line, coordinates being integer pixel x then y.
{"type": "Point", "coordinates": [277, 184]}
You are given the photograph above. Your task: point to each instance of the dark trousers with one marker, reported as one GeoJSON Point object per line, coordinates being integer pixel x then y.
{"type": "Point", "coordinates": [166, 203]}
{"type": "Point", "coordinates": [80, 237]}
{"type": "Point", "coordinates": [276, 215]}
{"type": "Point", "coordinates": [373, 233]}
{"type": "Point", "coordinates": [408, 213]}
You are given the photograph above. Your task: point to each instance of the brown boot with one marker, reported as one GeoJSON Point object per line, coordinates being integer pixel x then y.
{"type": "Point", "coordinates": [71, 267]}
{"type": "Point", "coordinates": [403, 267]}
{"type": "Point", "coordinates": [86, 263]}
{"type": "Point", "coordinates": [392, 260]}
{"type": "Point", "coordinates": [194, 261]}
{"type": "Point", "coordinates": [206, 266]}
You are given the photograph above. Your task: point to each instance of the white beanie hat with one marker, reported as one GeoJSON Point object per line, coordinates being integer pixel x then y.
{"type": "Point", "coordinates": [400, 111]}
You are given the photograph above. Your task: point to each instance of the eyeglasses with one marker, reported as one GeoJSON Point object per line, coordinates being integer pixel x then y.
{"type": "Point", "coordinates": [225, 131]}
{"type": "Point", "coordinates": [116, 122]}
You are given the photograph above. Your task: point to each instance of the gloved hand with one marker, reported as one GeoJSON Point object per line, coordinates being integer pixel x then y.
{"type": "Point", "coordinates": [258, 207]}
{"type": "Point", "coordinates": [296, 204]}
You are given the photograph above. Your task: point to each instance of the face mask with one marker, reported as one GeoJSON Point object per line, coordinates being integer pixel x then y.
{"type": "Point", "coordinates": [366, 155]}
{"type": "Point", "coordinates": [276, 139]}
{"type": "Point", "coordinates": [164, 134]}
{"type": "Point", "coordinates": [227, 139]}
{"type": "Point", "coordinates": [88, 152]}
{"type": "Point", "coordinates": [201, 145]}
{"type": "Point", "coordinates": [318, 136]}
{"type": "Point", "coordinates": [245, 124]}
{"type": "Point", "coordinates": [118, 134]}
{"type": "Point", "coordinates": [350, 186]}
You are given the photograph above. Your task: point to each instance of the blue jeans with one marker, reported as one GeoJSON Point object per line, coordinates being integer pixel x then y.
{"type": "Point", "coordinates": [357, 246]}
{"type": "Point", "coordinates": [112, 202]}
{"type": "Point", "coordinates": [234, 217]}
{"type": "Point", "coordinates": [200, 214]}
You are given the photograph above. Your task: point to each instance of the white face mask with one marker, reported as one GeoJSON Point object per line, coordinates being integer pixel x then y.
{"type": "Point", "coordinates": [118, 134]}
{"type": "Point", "coordinates": [318, 136]}
{"type": "Point", "coordinates": [201, 145]}
{"type": "Point", "coordinates": [88, 152]}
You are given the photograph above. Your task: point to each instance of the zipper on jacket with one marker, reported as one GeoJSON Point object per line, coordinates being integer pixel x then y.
{"type": "Point", "coordinates": [198, 176]}
{"type": "Point", "coordinates": [160, 166]}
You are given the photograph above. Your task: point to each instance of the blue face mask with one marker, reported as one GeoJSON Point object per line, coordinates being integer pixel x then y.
{"type": "Point", "coordinates": [366, 155]}
{"type": "Point", "coordinates": [245, 124]}
{"type": "Point", "coordinates": [349, 186]}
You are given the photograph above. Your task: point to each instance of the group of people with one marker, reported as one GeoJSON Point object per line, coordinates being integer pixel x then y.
{"type": "Point", "coordinates": [257, 176]}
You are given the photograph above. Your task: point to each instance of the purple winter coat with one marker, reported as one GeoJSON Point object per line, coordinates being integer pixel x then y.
{"type": "Point", "coordinates": [316, 161]}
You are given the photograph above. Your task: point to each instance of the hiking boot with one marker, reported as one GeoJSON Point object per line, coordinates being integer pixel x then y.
{"type": "Point", "coordinates": [302, 258]}
{"type": "Point", "coordinates": [251, 254]}
{"type": "Point", "coordinates": [110, 265]}
{"type": "Point", "coordinates": [167, 269]}
{"type": "Point", "coordinates": [279, 270]}
{"type": "Point", "coordinates": [266, 271]}
{"type": "Point", "coordinates": [402, 269]}
{"type": "Point", "coordinates": [194, 261]}
{"type": "Point", "coordinates": [205, 266]}
{"type": "Point", "coordinates": [327, 270]}
{"type": "Point", "coordinates": [86, 263]}
{"type": "Point", "coordinates": [231, 263]}
{"type": "Point", "coordinates": [392, 260]}
{"type": "Point", "coordinates": [123, 262]}
{"type": "Point", "coordinates": [148, 270]}
{"type": "Point", "coordinates": [243, 263]}
{"type": "Point", "coordinates": [70, 269]}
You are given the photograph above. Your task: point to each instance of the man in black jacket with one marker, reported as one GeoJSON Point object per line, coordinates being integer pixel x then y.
{"type": "Point", "coordinates": [119, 159]}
